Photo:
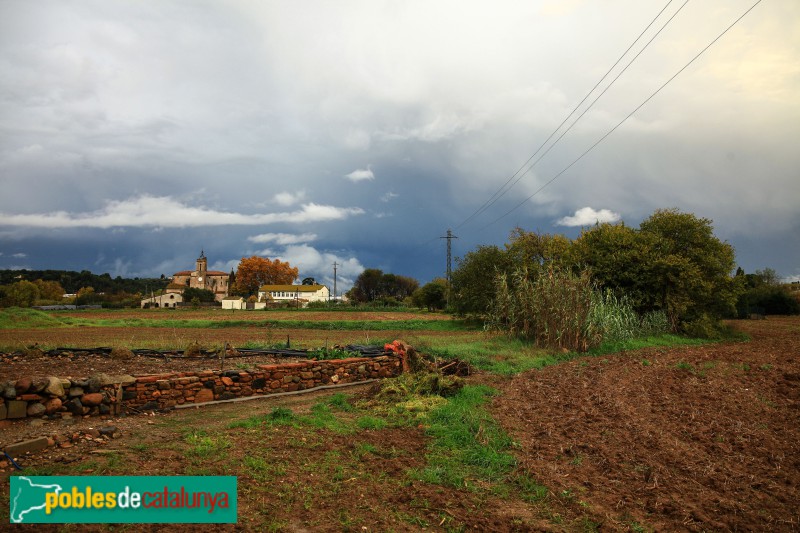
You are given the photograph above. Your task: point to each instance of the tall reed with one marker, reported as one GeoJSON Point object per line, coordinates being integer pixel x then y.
{"type": "Point", "coordinates": [562, 310]}
{"type": "Point", "coordinates": [552, 309]}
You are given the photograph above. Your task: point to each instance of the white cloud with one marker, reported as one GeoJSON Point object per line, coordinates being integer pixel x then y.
{"type": "Point", "coordinates": [361, 174]}
{"type": "Point", "coordinates": [389, 196]}
{"type": "Point", "coordinates": [319, 265]}
{"type": "Point", "coordinates": [586, 216]}
{"type": "Point", "coordinates": [163, 211]}
{"type": "Point", "coordinates": [283, 239]}
{"type": "Point", "coordinates": [19, 255]}
{"type": "Point", "coordinates": [288, 198]}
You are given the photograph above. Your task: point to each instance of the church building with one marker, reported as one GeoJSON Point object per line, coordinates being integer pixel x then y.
{"type": "Point", "coordinates": [201, 278]}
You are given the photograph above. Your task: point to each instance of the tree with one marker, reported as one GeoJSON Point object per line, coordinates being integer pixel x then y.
{"type": "Point", "coordinates": [372, 284]}
{"type": "Point", "coordinates": [202, 295]}
{"type": "Point", "coordinates": [21, 294]}
{"type": "Point", "coordinates": [761, 278]}
{"type": "Point", "coordinates": [764, 295]}
{"type": "Point", "coordinates": [87, 296]}
{"type": "Point", "coordinates": [619, 258]}
{"type": "Point", "coordinates": [367, 286]}
{"type": "Point", "coordinates": [692, 268]}
{"type": "Point", "coordinates": [673, 262]}
{"type": "Point", "coordinates": [532, 251]}
{"type": "Point", "coordinates": [253, 272]}
{"type": "Point", "coordinates": [431, 296]}
{"type": "Point", "coordinates": [397, 287]}
{"type": "Point", "coordinates": [472, 282]}
{"type": "Point", "coordinates": [49, 290]}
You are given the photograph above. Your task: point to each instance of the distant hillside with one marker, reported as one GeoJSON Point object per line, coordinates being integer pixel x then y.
{"type": "Point", "coordinates": [72, 281]}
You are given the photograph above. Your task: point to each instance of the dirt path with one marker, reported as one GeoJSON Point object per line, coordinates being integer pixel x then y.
{"type": "Point", "coordinates": [697, 438]}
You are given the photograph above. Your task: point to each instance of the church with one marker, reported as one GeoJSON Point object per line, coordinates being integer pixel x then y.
{"type": "Point", "coordinates": [199, 278]}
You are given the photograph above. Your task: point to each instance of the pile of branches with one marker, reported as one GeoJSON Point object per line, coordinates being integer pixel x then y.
{"type": "Point", "coordinates": [413, 361]}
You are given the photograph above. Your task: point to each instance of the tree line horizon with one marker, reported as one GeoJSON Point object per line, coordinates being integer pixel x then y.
{"type": "Point", "coordinates": [672, 262]}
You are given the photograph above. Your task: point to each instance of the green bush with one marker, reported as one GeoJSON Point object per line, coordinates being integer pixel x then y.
{"type": "Point", "coordinates": [703, 327]}
{"type": "Point", "coordinates": [767, 300]}
{"type": "Point", "coordinates": [617, 320]}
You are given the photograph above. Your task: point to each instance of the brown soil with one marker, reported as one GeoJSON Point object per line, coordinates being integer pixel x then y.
{"type": "Point", "coordinates": [180, 338]}
{"type": "Point", "coordinates": [696, 438]}
{"type": "Point", "coordinates": [692, 438]}
{"type": "Point", "coordinates": [254, 316]}
{"type": "Point", "coordinates": [79, 364]}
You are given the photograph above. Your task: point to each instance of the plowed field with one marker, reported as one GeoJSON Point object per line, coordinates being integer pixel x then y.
{"type": "Point", "coordinates": [700, 438]}
{"type": "Point", "coordinates": [697, 438]}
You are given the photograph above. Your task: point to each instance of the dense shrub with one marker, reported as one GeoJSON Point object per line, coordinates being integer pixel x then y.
{"type": "Point", "coordinates": [767, 300]}
{"type": "Point", "coordinates": [616, 320]}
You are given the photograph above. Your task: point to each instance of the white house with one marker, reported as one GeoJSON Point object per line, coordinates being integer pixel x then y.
{"type": "Point", "coordinates": [171, 299]}
{"type": "Point", "coordinates": [301, 294]}
{"type": "Point", "coordinates": [233, 302]}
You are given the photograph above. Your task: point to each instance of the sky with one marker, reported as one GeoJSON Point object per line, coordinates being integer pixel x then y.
{"type": "Point", "coordinates": [134, 135]}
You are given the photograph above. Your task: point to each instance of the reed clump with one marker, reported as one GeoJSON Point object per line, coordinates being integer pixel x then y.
{"type": "Point", "coordinates": [562, 310]}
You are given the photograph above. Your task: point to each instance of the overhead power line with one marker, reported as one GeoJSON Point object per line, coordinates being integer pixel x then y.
{"type": "Point", "coordinates": [601, 139]}
{"type": "Point", "coordinates": [579, 117]}
{"type": "Point", "coordinates": [506, 187]}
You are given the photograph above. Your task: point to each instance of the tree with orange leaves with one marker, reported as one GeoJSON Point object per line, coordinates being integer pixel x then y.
{"type": "Point", "coordinates": [253, 272]}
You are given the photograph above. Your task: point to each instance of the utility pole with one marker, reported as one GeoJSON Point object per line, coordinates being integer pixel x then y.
{"type": "Point", "coordinates": [335, 264]}
{"type": "Point", "coordinates": [449, 238]}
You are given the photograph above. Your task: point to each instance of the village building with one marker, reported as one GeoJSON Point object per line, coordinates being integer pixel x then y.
{"type": "Point", "coordinates": [233, 302]}
{"type": "Point", "coordinates": [301, 294]}
{"type": "Point", "coordinates": [275, 295]}
{"type": "Point", "coordinates": [163, 300]}
{"type": "Point", "coordinates": [200, 278]}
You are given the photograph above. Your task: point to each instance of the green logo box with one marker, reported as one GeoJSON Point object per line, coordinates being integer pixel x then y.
{"type": "Point", "coordinates": [123, 499]}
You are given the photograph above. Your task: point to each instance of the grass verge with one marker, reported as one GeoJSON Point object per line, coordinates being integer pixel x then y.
{"type": "Point", "coordinates": [467, 444]}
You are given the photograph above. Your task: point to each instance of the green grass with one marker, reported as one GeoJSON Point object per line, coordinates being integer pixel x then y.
{"type": "Point", "coordinates": [279, 416]}
{"type": "Point", "coordinates": [340, 402]}
{"type": "Point", "coordinates": [467, 444]}
{"type": "Point", "coordinates": [507, 356]}
{"type": "Point", "coordinates": [321, 417]}
{"type": "Point", "coordinates": [371, 422]}
{"type": "Point", "coordinates": [263, 469]}
{"type": "Point", "coordinates": [529, 489]}
{"type": "Point", "coordinates": [499, 355]}
{"type": "Point", "coordinates": [665, 340]}
{"type": "Point", "coordinates": [16, 317]}
{"type": "Point", "coordinates": [204, 446]}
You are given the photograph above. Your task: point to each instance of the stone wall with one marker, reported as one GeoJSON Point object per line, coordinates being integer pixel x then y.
{"type": "Point", "coordinates": [104, 394]}
{"type": "Point", "coordinates": [63, 397]}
